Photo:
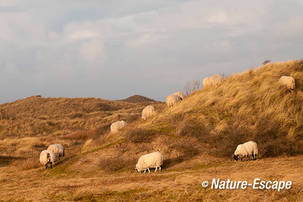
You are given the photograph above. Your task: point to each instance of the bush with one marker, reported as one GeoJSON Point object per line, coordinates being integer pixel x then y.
{"type": "Point", "coordinates": [81, 135]}
{"type": "Point", "coordinates": [76, 115]}
{"type": "Point", "coordinates": [139, 135]}
{"type": "Point", "coordinates": [186, 149]}
{"type": "Point", "coordinates": [132, 117]}
{"type": "Point", "coordinates": [102, 130]}
{"type": "Point", "coordinates": [116, 164]}
{"type": "Point", "coordinates": [28, 163]}
{"type": "Point", "coordinates": [192, 128]}
{"type": "Point", "coordinates": [192, 86]}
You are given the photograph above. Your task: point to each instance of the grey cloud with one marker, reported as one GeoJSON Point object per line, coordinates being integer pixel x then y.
{"type": "Point", "coordinates": [113, 49]}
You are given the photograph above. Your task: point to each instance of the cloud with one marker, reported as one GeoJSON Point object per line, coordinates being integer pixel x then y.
{"type": "Point", "coordinates": [7, 3]}
{"type": "Point", "coordinates": [93, 50]}
{"type": "Point", "coordinates": [67, 48]}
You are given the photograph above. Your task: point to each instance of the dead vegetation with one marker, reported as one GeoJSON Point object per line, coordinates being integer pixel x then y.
{"type": "Point", "coordinates": [27, 163]}
{"type": "Point", "coordinates": [247, 106]}
{"type": "Point", "coordinates": [36, 116]}
{"type": "Point", "coordinates": [139, 135]}
{"type": "Point", "coordinates": [197, 138]}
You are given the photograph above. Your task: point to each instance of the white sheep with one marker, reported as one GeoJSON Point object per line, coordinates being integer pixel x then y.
{"type": "Point", "coordinates": [151, 160]}
{"type": "Point", "coordinates": [116, 126]}
{"type": "Point", "coordinates": [180, 94]}
{"type": "Point", "coordinates": [246, 150]}
{"type": "Point", "coordinates": [47, 157]}
{"type": "Point", "coordinates": [212, 81]}
{"type": "Point", "coordinates": [148, 111]}
{"type": "Point", "coordinates": [58, 150]}
{"type": "Point", "coordinates": [288, 81]}
{"type": "Point", "coordinates": [171, 100]}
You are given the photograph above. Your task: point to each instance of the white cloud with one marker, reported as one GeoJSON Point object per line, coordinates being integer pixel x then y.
{"type": "Point", "coordinates": [93, 51]}
{"type": "Point", "coordinates": [7, 3]}
{"type": "Point", "coordinates": [80, 42]}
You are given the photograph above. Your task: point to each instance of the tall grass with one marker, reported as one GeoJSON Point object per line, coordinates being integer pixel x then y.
{"type": "Point", "coordinates": [251, 105]}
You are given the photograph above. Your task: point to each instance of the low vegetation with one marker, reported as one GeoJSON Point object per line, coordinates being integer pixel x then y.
{"type": "Point", "coordinates": [196, 137]}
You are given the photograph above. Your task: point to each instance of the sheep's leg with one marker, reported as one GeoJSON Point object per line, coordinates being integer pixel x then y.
{"type": "Point", "coordinates": [46, 166]}
{"type": "Point", "coordinates": [160, 168]}
{"type": "Point", "coordinates": [51, 165]}
{"type": "Point", "coordinates": [144, 171]}
{"type": "Point", "coordinates": [156, 169]}
{"type": "Point", "coordinates": [148, 170]}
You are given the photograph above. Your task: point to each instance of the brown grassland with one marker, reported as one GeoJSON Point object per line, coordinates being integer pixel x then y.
{"type": "Point", "coordinates": [197, 138]}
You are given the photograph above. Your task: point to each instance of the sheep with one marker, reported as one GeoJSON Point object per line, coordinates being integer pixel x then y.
{"type": "Point", "coordinates": [151, 160]}
{"type": "Point", "coordinates": [180, 94]}
{"type": "Point", "coordinates": [212, 81]}
{"type": "Point", "coordinates": [47, 157]}
{"type": "Point", "coordinates": [288, 81]}
{"type": "Point", "coordinates": [58, 150]}
{"type": "Point", "coordinates": [116, 126]}
{"type": "Point", "coordinates": [171, 100]}
{"type": "Point", "coordinates": [246, 150]}
{"type": "Point", "coordinates": [148, 111]}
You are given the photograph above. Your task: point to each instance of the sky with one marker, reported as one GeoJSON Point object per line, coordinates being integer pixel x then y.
{"type": "Point", "coordinates": [115, 48]}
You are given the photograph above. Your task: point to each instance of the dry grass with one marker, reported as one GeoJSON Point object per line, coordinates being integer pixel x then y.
{"type": "Point", "coordinates": [27, 164]}
{"type": "Point", "coordinates": [35, 115]}
{"type": "Point", "coordinates": [196, 137]}
{"type": "Point", "coordinates": [248, 106]}
{"type": "Point", "coordinates": [179, 185]}
{"type": "Point", "coordinates": [115, 164]}
{"type": "Point", "coordinates": [81, 135]}
{"type": "Point", "coordinates": [139, 135]}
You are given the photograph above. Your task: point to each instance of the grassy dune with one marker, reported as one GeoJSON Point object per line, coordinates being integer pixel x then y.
{"type": "Point", "coordinates": [197, 138]}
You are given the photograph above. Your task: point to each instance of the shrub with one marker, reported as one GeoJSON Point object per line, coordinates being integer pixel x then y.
{"type": "Point", "coordinates": [266, 62]}
{"type": "Point", "coordinates": [102, 130]}
{"type": "Point", "coordinates": [76, 115]}
{"type": "Point", "coordinates": [139, 135]}
{"type": "Point", "coordinates": [132, 117]}
{"type": "Point", "coordinates": [192, 128]}
{"type": "Point", "coordinates": [192, 86]}
{"type": "Point", "coordinates": [176, 118]}
{"type": "Point", "coordinates": [81, 135]}
{"type": "Point", "coordinates": [186, 149]}
{"type": "Point", "coordinates": [28, 163]}
{"type": "Point", "coordinates": [116, 164]}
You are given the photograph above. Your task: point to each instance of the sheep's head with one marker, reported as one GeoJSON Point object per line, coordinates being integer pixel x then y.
{"type": "Point", "coordinates": [236, 157]}
{"type": "Point", "coordinates": [48, 158]}
{"type": "Point", "coordinates": [138, 168]}
{"type": "Point", "coordinates": [293, 84]}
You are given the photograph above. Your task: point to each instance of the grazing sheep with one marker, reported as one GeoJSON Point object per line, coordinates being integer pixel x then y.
{"type": "Point", "coordinates": [151, 160]}
{"type": "Point", "coordinates": [246, 150]}
{"type": "Point", "coordinates": [171, 100]}
{"type": "Point", "coordinates": [288, 81]}
{"type": "Point", "coordinates": [180, 94]}
{"type": "Point", "coordinates": [212, 81]}
{"type": "Point", "coordinates": [58, 150]}
{"type": "Point", "coordinates": [148, 111]}
{"type": "Point", "coordinates": [47, 157]}
{"type": "Point", "coordinates": [116, 126]}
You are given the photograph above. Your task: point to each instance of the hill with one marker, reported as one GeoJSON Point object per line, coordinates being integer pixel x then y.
{"type": "Point", "coordinates": [138, 99]}
{"type": "Point", "coordinates": [251, 105]}
{"type": "Point", "coordinates": [197, 138]}
{"type": "Point", "coordinates": [37, 120]}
